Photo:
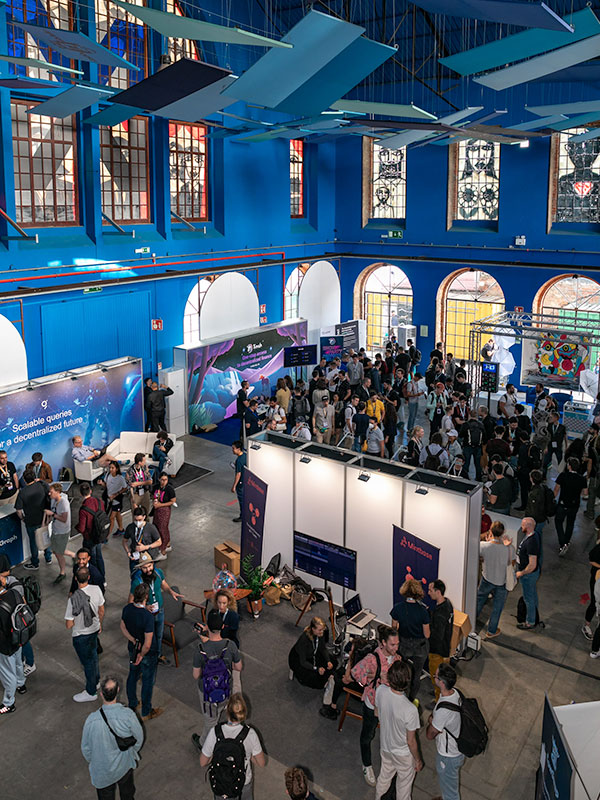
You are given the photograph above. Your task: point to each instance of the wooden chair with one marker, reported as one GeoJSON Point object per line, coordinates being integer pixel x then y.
{"type": "Point", "coordinates": [345, 713]}
{"type": "Point", "coordinates": [179, 626]}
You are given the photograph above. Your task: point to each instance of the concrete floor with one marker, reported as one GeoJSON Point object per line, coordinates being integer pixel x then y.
{"type": "Point", "coordinates": [41, 741]}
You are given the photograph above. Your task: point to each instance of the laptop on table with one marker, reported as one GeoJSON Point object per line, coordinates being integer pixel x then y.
{"type": "Point", "coordinates": [357, 615]}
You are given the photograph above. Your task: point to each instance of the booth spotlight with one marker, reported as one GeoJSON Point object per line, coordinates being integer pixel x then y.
{"type": "Point", "coordinates": [421, 490]}
{"type": "Point", "coordinates": [73, 377]}
{"type": "Point", "coordinates": [255, 446]}
{"type": "Point", "coordinates": [305, 460]}
{"type": "Point", "coordinates": [364, 476]}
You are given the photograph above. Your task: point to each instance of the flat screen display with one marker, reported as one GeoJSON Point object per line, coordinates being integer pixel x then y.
{"type": "Point", "coordinates": [302, 356]}
{"type": "Point", "coordinates": [330, 562]}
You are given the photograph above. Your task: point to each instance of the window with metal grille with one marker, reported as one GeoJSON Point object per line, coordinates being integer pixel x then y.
{"type": "Point", "coordinates": [50, 14]}
{"type": "Point", "coordinates": [180, 48]}
{"type": "Point", "coordinates": [477, 181]}
{"type": "Point", "coordinates": [124, 171]}
{"type": "Point", "coordinates": [388, 302]}
{"type": "Point", "coordinates": [575, 178]}
{"type": "Point", "coordinates": [469, 296]}
{"type": "Point", "coordinates": [187, 159]}
{"type": "Point", "coordinates": [387, 195]}
{"type": "Point", "coordinates": [571, 298]}
{"type": "Point", "coordinates": [297, 178]}
{"type": "Point", "coordinates": [45, 168]}
{"type": "Point", "coordinates": [123, 34]}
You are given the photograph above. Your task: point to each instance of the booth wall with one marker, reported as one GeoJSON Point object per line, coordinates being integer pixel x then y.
{"type": "Point", "coordinates": [581, 729]}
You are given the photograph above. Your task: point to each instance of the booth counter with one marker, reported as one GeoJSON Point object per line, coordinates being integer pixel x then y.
{"type": "Point", "coordinates": [359, 502]}
{"type": "Point", "coordinates": [14, 542]}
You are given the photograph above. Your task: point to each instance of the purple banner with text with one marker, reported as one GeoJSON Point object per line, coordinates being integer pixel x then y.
{"type": "Point", "coordinates": [253, 516]}
{"type": "Point", "coordinates": [414, 558]}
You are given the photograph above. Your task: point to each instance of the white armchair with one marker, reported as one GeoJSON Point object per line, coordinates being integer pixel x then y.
{"type": "Point", "coordinates": [131, 442]}
{"type": "Point", "coordinates": [86, 471]}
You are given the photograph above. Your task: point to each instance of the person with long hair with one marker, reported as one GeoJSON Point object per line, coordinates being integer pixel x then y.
{"type": "Point", "coordinates": [163, 498]}
{"type": "Point", "coordinates": [410, 618]}
{"type": "Point", "coordinates": [296, 784]}
{"type": "Point", "coordinates": [308, 659]}
{"type": "Point", "coordinates": [283, 394]}
{"type": "Point", "coordinates": [237, 713]}
{"type": "Point", "coordinates": [415, 445]}
{"type": "Point", "coordinates": [226, 604]}
{"type": "Point", "coordinates": [390, 427]}
{"type": "Point", "coordinates": [116, 489]}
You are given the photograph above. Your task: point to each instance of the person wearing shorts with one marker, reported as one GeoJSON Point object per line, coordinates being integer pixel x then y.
{"type": "Point", "coordinates": [60, 516]}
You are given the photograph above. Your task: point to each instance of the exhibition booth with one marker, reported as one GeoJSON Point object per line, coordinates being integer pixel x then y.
{"type": "Point", "coordinates": [362, 523]}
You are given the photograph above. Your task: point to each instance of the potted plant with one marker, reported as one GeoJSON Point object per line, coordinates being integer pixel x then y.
{"type": "Point", "coordinates": [256, 578]}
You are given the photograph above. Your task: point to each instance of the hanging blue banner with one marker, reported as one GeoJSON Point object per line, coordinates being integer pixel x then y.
{"type": "Point", "coordinates": [413, 558]}
{"type": "Point", "coordinates": [253, 516]}
{"type": "Point", "coordinates": [332, 347]}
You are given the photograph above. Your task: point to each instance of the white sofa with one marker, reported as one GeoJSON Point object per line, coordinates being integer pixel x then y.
{"type": "Point", "coordinates": [125, 448]}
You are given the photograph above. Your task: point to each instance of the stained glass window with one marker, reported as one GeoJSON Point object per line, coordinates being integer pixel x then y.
{"type": "Point", "coordinates": [577, 179]}
{"type": "Point", "coordinates": [388, 303]}
{"type": "Point", "coordinates": [388, 183]}
{"type": "Point", "coordinates": [477, 180]}
{"type": "Point", "coordinates": [187, 157]}
{"type": "Point", "coordinates": [50, 14]}
{"type": "Point", "coordinates": [292, 291]}
{"type": "Point", "coordinates": [471, 295]}
{"type": "Point", "coordinates": [180, 48]}
{"type": "Point", "coordinates": [124, 171]}
{"type": "Point", "coordinates": [45, 168]}
{"type": "Point", "coordinates": [296, 178]}
{"type": "Point", "coordinates": [122, 33]}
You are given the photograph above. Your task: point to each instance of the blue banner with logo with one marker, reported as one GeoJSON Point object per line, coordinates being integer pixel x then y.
{"type": "Point", "coordinates": [332, 347]}
{"type": "Point", "coordinates": [11, 539]}
{"type": "Point", "coordinates": [413, 558]}
{"type": "Point", "coordinates": [254, 504]}
{"type": "Point", "coordinates": [555, 775]}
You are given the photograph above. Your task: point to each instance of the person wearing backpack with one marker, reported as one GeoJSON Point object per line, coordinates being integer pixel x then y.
{"type": "Point", "coordinates": [433, 456]}
{"type": "Point", "coordinates": [229, 752]}
{"type": "Point", "coordinates": [214, 660]}
{"type": "Point", "coordinates": [90, 506]}
{"type": "Point", "coordinates": [472, 435]}
{"type": "Point", "coordinates": [12, 677]}
{"type": "Point", "coordinates": [444, 726]}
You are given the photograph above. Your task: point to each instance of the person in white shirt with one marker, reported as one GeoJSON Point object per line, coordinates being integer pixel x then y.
{"type": "Point", "coordinates": [276, 414]}
{"type": "Point", "coordinates": [399, 722]}
{"type": "Point", "coordinates": [301, 431]}
{"type": "Point", "coordinates": [84, 615]}
{"type": "Point", "coordinates": [236, 724]}
{"type": "Point", "coordinates": [444, 726]}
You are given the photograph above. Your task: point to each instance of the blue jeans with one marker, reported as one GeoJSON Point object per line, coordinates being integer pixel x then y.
{"type": "Point", "coordinates": [529, 588]}
{"type": "Point", "coordinates": [448, 770]}
{"type": "Point", "coordinates": [356, 444]}
{"type": "Point", "coordinates": [160, 456]}
{"type": "Point", "coordinates": [27, 654]}
{"type": "Point", "coordinates": [31, 529]}
{"type": "Point", "coordinates": [86, 648]}
{"type": "Point", "coordinates": [159, 628]}
{"type": "Point", "coordinates": [240, 497]}
{"type": "Point", "coordinates": [539, 527]}
{"type": "Point", "coordinates": [474, 453]}
{"type": "Point", "coordinates": [147, 669]}
{"type": "Point", "coordinates": [499, 595]}
{"type": "Point", "coordinates": [97, 559]}
{"type": "Point", "coordinates": [412, 415]}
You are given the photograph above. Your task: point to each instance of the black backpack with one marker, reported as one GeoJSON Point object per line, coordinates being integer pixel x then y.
{"type": "Point", "coordinates": [227, 770]}
{"type": "Point", "coordinates": [433, 460]}
{"type": "Point", "coordinates": [474, 435]}
{"type": "Point", "coordinates": [22, 621]}
{"type": "Point", "coordinates": [100, 524]}
{"type": "Point", "coordinates": [549, 502]}
{"type": "Point", "coordinates": [32, 592]}
{"type": "Point", "coordinates": [417, 356]}
{"type": "Point", "coordinates": [534, 455]}
{"type": "Point", "coordinates": [473, 736]}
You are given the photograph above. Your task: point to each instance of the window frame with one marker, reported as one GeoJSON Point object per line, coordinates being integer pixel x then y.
{"type": "Point", "coordinates": [37, 19]}
{"type": "Point", "coordinates": [368, 220]}
{"type": "Point", "coordinates": [593, 226]}
{"type": "Point", "coordinates": [205, 194]}
{"type": "Point", "coordinates": [76, 222]}
{"type": "Point", "coordinates": [301, 174]}
{"type": "Point", "coordinates": [133, 76]}
{"type": "Point", "coordinates": [454, 165]}
{"type": "Point", "coordinates": [146, 149]}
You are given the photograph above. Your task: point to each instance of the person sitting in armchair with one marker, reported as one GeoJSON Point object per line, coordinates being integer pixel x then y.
{"type": "Point", "coordinates": [82, 452]}
{"type": "Point", "coordinates": [160, 451]}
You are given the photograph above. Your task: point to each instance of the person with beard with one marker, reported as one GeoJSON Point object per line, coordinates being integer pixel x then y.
{"type": "Point", "coordinates": [155, 580]}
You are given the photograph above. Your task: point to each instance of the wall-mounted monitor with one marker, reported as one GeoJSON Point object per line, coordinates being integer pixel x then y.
{"type": "Point", "coordinates": [330, 562]}
{"type": "Point", "coordinates": [302, 356]}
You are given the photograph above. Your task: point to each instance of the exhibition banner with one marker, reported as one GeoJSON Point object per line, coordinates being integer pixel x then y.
{"type": "Point", "coordinates": [332, 347]}
{"type": "Point", "coordinates": [97, 406]}
{"type": "Point", "coordinates": [555, 775]}
{"type": "Point", "coordinates": [215, 371]}
{"type": "Point", "coordinates": [413, 558]}
{"type": "Point", "coordinates": [350, 332]}
{"type": "Point", "coordinates": [555, 360]}
{"type": "Point", "coordinates": [254, 504]}
{"type": "Point", "coordinates": [11, 539]}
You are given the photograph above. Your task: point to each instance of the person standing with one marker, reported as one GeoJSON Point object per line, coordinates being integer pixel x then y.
{"type": "Point", "coordinates": [90, 505]}
{"type": "Point", "coordinates": [500, 492]}
{"type": "Point", "coordinates": [360, 426]}
{"type": "Point", "coordinates": [375, 439]}
{"type": "Point", "coordinates": [41, 470]}
{"type": "Point", "coordinates": [496, 554]}
{"type": "Point", "coordinates": [139, 481]}
{"type": "Point", "coordinates": [116, 489]}
{"type": "Point", "coordinates": [9, 480]}
{"type": "Point", "coordinates": [296, 784]}
{"type": "Point", "coordinates": [355, 372]}
{"type": "Point", "coordinates": [594, 560]}
{"type": "Point", "coordinates": [410, 618]}
{"type": "Point", "coordinates": [137, 626]}
{"type": "Point", "coordinates": [446, 722]}
{"type": "Point", "coordinates": [415, 445]}
{"type": "Point", "coordinates": [399, 723]}
{"type": "Point", "coordinates": [442, 619]}
{"type": "Point", "coordinates": [237, 449]}
{"type": "Point", "coordinates": [472, 435]}
{"type": "Point", "coordinates": [60, 515]}
{"type": "Point", "coordinates": [12, 676]}
{"type": "Point", "coordinates": [241, 404]}
{"type": "Point", "coordinates": [31, 504]}
{"type": "Point", "coordinates": [507, 404]}
{"type": "Point", "coordinates": [140, 536]}
{"type": "Point", "coordinates": [251, 423]}
{"type": "Point", "coordinates": [567, 489]}
{"type": "Point", "coordinates": [110, 767]}
{"type": "Point", "coordinates": [147, 391]}
{"type": "Point", "coordinates": [528, 571]}
{"type": "Point", "coordinates": [557, 433]}
{"type": "Point", "coordinates": [163, 499]}
{"type": "Point", "coordinates": [323, 421]}
{"type": "Point", "coordinates": [84, 615]}
{"type": "Point", "coordinates": [412, 394]}
{"type": "Point", "coordinates": [157, 406]}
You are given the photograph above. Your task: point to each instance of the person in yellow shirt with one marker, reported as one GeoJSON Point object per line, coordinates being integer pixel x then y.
{"type": "Point", "coordinates": [375, 407]}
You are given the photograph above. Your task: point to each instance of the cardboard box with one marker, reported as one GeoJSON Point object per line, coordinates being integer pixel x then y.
{"type": "Point", "coordinates": [228, 553]}
{"type": "Point", "coordinates": [460, 629]}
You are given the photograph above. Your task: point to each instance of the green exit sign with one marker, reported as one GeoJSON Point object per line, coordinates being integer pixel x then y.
{"type": "Point", "coordinates": [90, 289]}
{"type": "Point", "coordinates": [395, 234]}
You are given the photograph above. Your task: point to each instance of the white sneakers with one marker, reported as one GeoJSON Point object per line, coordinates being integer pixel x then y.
{"type": "Point", "coordinates": [84, 697]}
{"type": "Point", "coordinates": [161, 557]}
{"type": "Point", "coordinates": [587, 632]}
{"type": "Point", "coordinates": [27, 670]}
{"type": "Point", "coordinates": [595, 654]}
{"type": "Point", "coordinates": [369, 776]}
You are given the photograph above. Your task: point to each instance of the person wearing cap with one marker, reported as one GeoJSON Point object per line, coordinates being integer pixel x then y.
{"type": "Point", "coordinates": [211, 647]}
{"type": "Point", "coordinates": [155, 580]}
{"type": "Point", "coordinates": [453, 446]}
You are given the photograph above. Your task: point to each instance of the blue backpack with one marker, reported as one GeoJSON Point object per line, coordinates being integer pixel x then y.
{"type": "Point", "coordinates": [216, 677]}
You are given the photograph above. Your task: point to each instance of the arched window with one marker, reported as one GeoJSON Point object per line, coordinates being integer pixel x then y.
{"type": "Point", "coordinates": [387, 299]}
{"type": "Point", "coordinates": [463, 298]}
{"type": "Point", "coordinates": [572, 297]}
{"type": "Point", "coordinates": [292, 290]}
{"type": "Point", "coordinates": [191, 315]}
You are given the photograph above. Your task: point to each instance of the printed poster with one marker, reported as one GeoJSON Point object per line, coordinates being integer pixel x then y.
{"type": "Point", "coordinates": [555, 775]}
{"type": "Point", "coordinates": [413, 558]}
{"type": "Point", "coordinates": [555, 360]}
{"type": "Point", "coordinates": [254, 504]}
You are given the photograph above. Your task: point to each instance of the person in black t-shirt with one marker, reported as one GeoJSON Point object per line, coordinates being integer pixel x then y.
{"type": "Point", "coordinates": [81, 560]}
{"type": "Point", "coordinates": [437, 353]}
{"type": "Point", "coordinates": [251, 423]}
{"type": "Point", "coordinates": [9, 481]}
{"type": "Point", "coordinates": [528, 570]}
{"type": "Point", "coordinates": [31, 504]}
{"type": "Point", "coordinates": [594, 559]}
{"type": "Point", "coordinates": [242, 405]}
{"type": "Point", "coordinates": [137, 626]}
{"type": "Point", "coordinates": [442, 615]}
{"type": "Point", "coordinates": [360, 424]}
{"type": "Point", "coordinates": [568, 488]}
{"type": "Point", "coordinates": [410, 618]}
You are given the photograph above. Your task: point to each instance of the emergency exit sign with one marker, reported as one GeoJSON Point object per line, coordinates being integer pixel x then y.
{"type": "Point", "coordinates": [91, 289]}
{"type": "Point", "coordinates": [395, 234]}
{"type": "Point", "coordinates": [157, 324]}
